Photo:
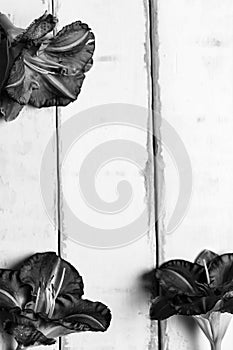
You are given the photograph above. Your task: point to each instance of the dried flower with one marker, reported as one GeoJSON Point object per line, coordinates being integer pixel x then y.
{"type": "Point", "coordinates": [203, 289]}
{"type": "Point", "coordinates": [43, 300]}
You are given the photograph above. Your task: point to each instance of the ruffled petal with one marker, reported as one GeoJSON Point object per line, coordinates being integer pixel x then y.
{"type": "Point", "coordinates": [82, 316]}
{"type": "Point", "coordinates": [50, 277]}
{"type": "Point", "coordinates": [227, 303]}
{"type": "Point", "coordinates": [37, 29]}
{"type": "Point", "coordinates": [13, 294]}
{"type": "Point", "coordinates": [30, 328]}
{"type": "Point", "coordinates": [8, 53]}
{"type": "Point", "coordinates": [15, 86]}
{"type": "Point", "coordinates": [41, 268]}
{"type": "Point", "coordinates": [4, 54]}
{"type": "Point", "coordinates": [25, 332]}
{"type": "Point", "coordinates": [9, 109]}
{"type": "Point", "coordinates": [221, 272]}
{"type": "Point", "coordinates": [179, 276]}
{"type": "Point", "coordinates": [95, 316]}
{"type": "Point", "coordinates": [40, 71]}
{"type": "Point", "coordinates": [195, 305]}
{"type": "Point", "coordinates": [161, 309]}
{"type": "Point", "coordinates": [205, 255]}
{"type": "Point", "coordinates": [42, 301]}
{"type": "Point", "coordinates": [71, 50]}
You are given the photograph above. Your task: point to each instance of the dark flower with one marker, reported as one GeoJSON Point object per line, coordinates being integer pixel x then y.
{"type": "Point", "coordinates": [203, 289]}
{"type": "Point", "coordinates": [40, 70]}
{"type": "Point", "coordinates": [43, 300]}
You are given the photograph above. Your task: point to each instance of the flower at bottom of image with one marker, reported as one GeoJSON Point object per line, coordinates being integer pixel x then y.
{"type": "Point", "coordinates": [43, 300]}
{"type": "Point", "coordinates": [202, 289]}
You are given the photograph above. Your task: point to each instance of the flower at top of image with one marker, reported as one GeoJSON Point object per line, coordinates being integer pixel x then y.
{"type": "Point", "coordinates": [39, 68]}
{"type": "Point", "coordinates": [202, 289]}
{"type": "Point", "coordinates": [43, 300]}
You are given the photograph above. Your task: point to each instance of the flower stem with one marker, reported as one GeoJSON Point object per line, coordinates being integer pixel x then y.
{"type": "Point", "coordinates": [5, 22]}
{"type": "Point", "coordinates": [11, 30]}
{"type": "Point", "coordinates": [216, 345]}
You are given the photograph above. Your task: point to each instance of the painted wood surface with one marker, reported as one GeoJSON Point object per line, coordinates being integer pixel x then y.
{"type": "Point", "coordinates": [196, 70]}
{"type": "Point", "coordinates": [119, 75]}
{"type": "Point", "coordinates": [25, 226]}
{"type": "Point", "coordinates": [195, 78]}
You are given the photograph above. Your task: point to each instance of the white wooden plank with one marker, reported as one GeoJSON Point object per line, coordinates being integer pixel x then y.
{"type": "Point", "coordinates": [196, 81]}
{"type": "Point", "coordinates": [25, 225]}
{"type": "Point", "coordinates": [119, 75]}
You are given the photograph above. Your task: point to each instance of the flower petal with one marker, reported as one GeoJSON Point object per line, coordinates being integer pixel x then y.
{"type": "Point", "coordinates": [94, 315]}
{"type": "Point", "coordinates": [196, 305]}
{"type": "Point", "coordinates": [73, 36]}
{"type": "Point", "coordinates": [227, 303]}
{"type": "Point", "coordinates": [221, 272]}
{"type": "Point", "coordinates": [205, 255]}
{"type": "Point", "coordinates": [9, 109]}
{"type": "Point", "coordinates": [45, 72]}
{"type": "Point", "coordinates": [73, 49]}
{"type": "Point", "coordinates": [8, 53]}
{"type": "Point", "coordinates": [16, 86]}
{"type": "Point", "coordinates": [4, 54]}
{"type": "Point", "coordinates": [38, 28]}
{"type": "Point", "coordinates": [50, 277]}
{"type": "Point", "coordinates": [25, 333]}
{"type": "Point", "coordinates": [161, 309]}
{"type": "Point", "coordinates": [13, 294]}
{"type": "Point", "coordinates": [179, 276]}
{"type": "Point", "coordinates": [85, 315]}
{"type": "Point", "coordinates": [40, 268]}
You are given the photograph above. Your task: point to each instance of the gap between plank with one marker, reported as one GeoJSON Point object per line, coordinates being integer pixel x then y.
{"type": "Point", "coordinates": [58, 174]}
{"type": "Point", "coordinates": [156, 111]}
{"type": "Point", "coordinates": [155, 107]}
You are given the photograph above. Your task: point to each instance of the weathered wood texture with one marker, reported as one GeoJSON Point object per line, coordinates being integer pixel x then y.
{"type": "Point", "coordinates": [195, 78]}
{"type": "Point", "coordinates": [196, 81]}
{"type": "Point", "coordinates": [119, 75]}
{"type": "Point", "coordinates": [25, 227]}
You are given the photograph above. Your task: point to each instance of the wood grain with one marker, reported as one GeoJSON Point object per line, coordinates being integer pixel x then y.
{"type": "Point", "coordinates": [25, 226]}
{"type": "Point", "coordinates": [196, 70]}
{"type": "Point", "coordinates": [119, 75]}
